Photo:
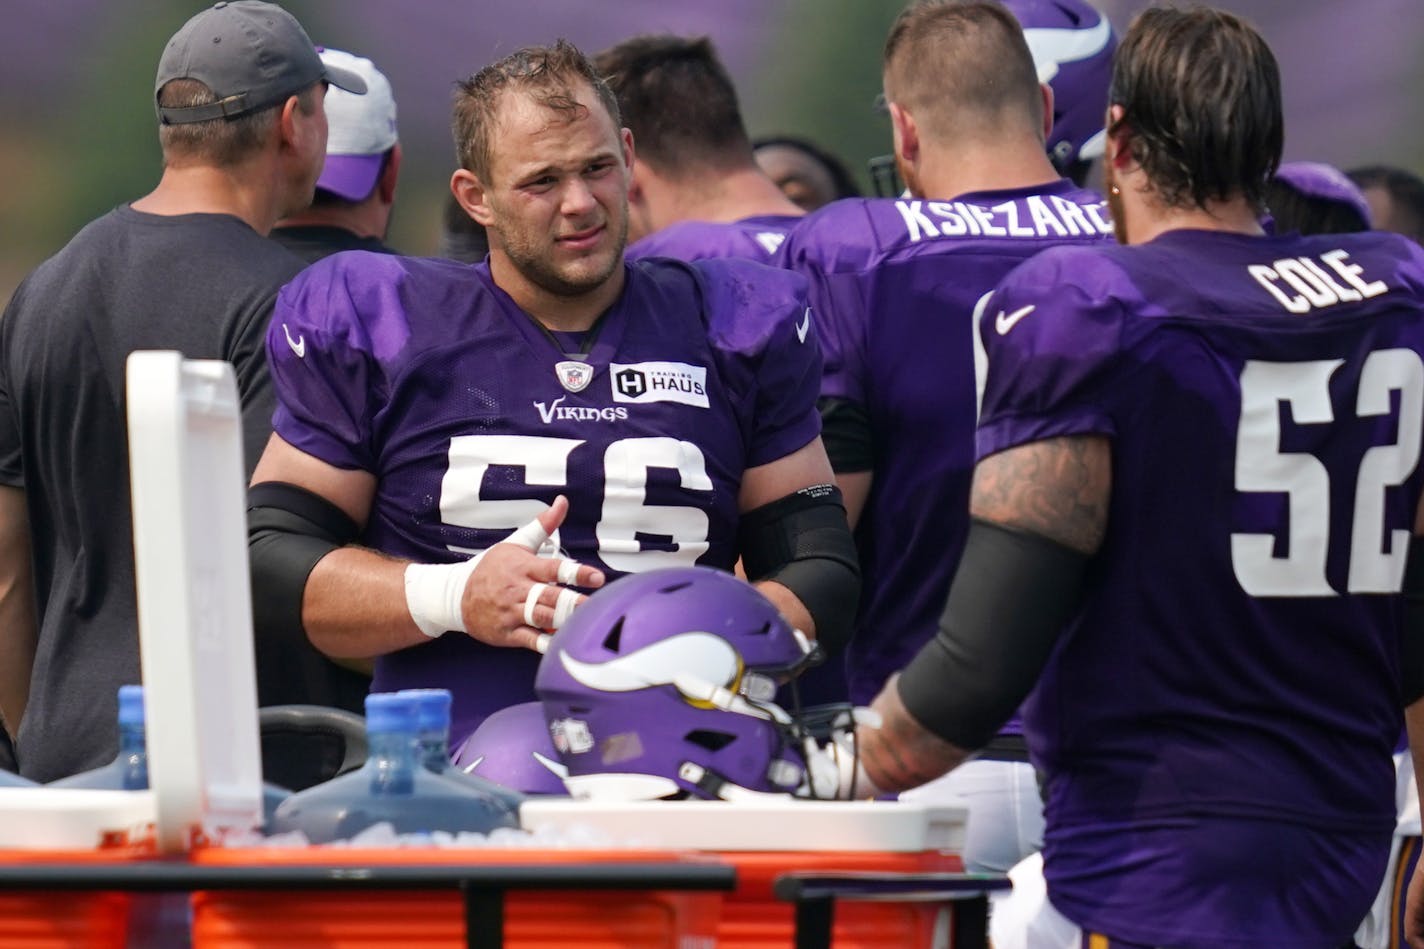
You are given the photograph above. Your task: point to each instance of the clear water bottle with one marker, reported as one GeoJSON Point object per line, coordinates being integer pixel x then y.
{"type": "Point", "coordinates": [432, 732]}
{"type": "Point", "coordinates": [129, 769]}
{"type": "Point", "coordinates": [392, 787]}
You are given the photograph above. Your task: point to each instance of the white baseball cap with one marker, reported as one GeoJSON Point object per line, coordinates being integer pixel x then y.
{"type": "Point", "coordinates": [361, 128]}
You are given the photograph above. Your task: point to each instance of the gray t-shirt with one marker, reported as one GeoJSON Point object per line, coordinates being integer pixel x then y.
{"type": "Point", "coordinates": [202, 284]}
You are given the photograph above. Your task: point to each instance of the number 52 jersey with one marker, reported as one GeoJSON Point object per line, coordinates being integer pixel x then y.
{"type": "Point", "coordinates": [1237, 654]}
{"type": "Point", "coordinates": [473, 418]}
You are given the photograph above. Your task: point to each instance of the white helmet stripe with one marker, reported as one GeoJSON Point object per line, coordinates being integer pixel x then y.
{"type": "Point", "coordinates": [661, 663]}
{"type": "Point", "coordinates": [1052, 47]}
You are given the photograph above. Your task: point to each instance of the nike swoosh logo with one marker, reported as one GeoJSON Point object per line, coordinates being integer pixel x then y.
{"type": "Point", "coordinates": [804, 326]}
{"type": "Point", "coordinates": [1005, 322]}
{"type": "Point", "coordinates": [299, 345]}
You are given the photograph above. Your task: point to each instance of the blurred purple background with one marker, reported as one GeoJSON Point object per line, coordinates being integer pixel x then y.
{"type": "Point", "coordinates": [76, 84]}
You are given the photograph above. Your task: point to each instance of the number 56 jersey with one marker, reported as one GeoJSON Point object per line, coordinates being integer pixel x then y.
{"type": "Point", "coordinates": [1237, 654]}
{"type": "Point", "coordinates": [472, 418]}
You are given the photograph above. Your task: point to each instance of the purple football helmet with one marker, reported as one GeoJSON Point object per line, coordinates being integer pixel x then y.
{"type": "Point", "coordinates": [512, 748]}
{"type": "Point", "coordinates": [1072, 45]}
{"type": "Point", "coordinates": [662, 683]}
{"type": "Point", "coordinates": [1315, 179]}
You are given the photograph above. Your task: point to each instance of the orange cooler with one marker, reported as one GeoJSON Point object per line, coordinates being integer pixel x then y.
{"type": "Point", "coordinates": [765, 840]}
{"type": "Point", "coordinates": [64, 920]}
{"type": "Point", "coordinates": [435, 919]}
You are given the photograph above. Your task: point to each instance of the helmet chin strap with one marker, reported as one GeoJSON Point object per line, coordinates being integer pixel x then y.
{"type": "Point", "coordinates": [714, 785]}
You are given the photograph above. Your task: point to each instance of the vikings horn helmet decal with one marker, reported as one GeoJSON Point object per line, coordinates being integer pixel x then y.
{"type": "Point", "coordinates": [662, 682]}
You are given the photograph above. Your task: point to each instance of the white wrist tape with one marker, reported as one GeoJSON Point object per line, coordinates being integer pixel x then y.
{"type": "Point", "coordinates": [433, 593]}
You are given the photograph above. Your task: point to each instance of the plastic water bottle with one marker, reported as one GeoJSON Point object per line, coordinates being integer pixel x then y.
{"type": "Point", "coordinates": [129, 769]}
{"type": "Point", "coordinates": [432, 732]}
{"type": "Point", "coordinates": [391, 787]}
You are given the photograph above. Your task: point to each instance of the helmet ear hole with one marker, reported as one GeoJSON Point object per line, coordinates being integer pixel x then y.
{"type": "Point", "coordinates": [613, 642]}
{"type": "Point", "coordinates": [712, 741]}
{"type": "Point", "coordinates": [674, 587]}
{"type": "Point", "coordinates": [763, 630]}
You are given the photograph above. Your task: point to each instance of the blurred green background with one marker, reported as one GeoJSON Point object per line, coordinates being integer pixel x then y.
{"type": "Point", "coordinates": [79, 132]}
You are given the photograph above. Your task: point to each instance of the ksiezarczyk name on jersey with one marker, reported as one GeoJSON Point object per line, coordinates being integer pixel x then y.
{"type": "Point", "coordinates": [1037, 216]}
{"type": "Point", "coordinates": [642, 382]}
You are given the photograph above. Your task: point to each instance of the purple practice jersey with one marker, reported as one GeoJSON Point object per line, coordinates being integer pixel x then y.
{"type": "Point", "coordinates": [751, 238]}
{"type": "Point", "coordinates": [894, 284]}
{"type": "Point", "coordinates": [1217, 721]}
{"type": "Point", "coordinates": [471, 417]}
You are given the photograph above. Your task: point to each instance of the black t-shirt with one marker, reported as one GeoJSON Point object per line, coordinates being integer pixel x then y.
{"type": "Point", "coordinates": [202, 284]}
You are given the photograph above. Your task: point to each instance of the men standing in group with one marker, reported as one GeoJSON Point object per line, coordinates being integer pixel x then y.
{"type": "Point", "coordinates": [1198, 481]}
{"type": "Point", "coordinates": [188, 267]}
{"type": "Point", "coordinates": [894, 289]}
{"type": "Point", "coordinates": [697, 190]}
{"type": "Point", "coordinates": [643, 414]}
{"type": "Point", "coordinates": [357, 188]}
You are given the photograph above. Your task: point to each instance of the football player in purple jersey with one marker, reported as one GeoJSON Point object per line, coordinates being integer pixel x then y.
{"type": "Point", "coordinates": [1197, 488]}
{"type": "Point", "coordinates": [697, 190]}
{"type": "Point", "coordinates": [628, 415]}
{"type": "Point", "coordinates": [894, 287]}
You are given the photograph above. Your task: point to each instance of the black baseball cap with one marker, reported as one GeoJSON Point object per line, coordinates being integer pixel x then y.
{"type": "Point", "coordinates": [251, 55]}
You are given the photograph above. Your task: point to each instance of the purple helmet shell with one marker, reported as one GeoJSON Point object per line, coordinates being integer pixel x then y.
{"type": "Point", "coordinates": [512, 747]}
{"type": "Point", "coordinates": [1316, 179]}
{"type": "Point", "coordinates": [662, 684]}
{"type": "Point", "coordinates": [1072, 45]}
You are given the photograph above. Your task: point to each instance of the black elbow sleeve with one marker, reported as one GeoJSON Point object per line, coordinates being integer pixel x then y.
{"type": "Point", "coordinates": [1012, 595]}
{"type": "Point", "coordinates": [289, 529]}
{"type": "Point", "coordinates": [803, 542]}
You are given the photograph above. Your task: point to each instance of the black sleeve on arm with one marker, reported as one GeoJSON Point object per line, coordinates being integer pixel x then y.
{"type": "Point", "coordinates": [845, 431]}
{"type": "Point", "coordinates": [1012, 595]}
{"type": "Point", "coordinates": [1411, 645]}
{"type": "Point", "coordinates": [803, 542]}
{"type": "Point", "coordinates": [288, 530]}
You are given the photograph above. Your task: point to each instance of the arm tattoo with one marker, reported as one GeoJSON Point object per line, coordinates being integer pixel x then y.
{"type": "Point", "coordinates": [902, 753]}
{"type": "Point", "coordinates": [1057, 488]}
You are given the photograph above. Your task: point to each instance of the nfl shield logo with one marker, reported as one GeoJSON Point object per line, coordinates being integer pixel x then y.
{"type": "Point", "coordinates": [574, 376]}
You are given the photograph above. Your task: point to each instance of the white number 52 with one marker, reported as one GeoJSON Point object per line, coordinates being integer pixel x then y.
{"type": "Point", "coordinates": [1262, 466]}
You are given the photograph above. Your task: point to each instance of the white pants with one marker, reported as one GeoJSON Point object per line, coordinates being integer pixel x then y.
{"type": "Point", "coordinates": [1005, 822]}
{"type": "Point", "coordinates": [1024, 919]}
{"type": "Point", "coordinates": [1375, 931]}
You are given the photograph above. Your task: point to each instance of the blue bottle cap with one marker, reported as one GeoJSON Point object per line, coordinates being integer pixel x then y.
{"type": "Point", "coordinates": [432, 708]}
{"type": "Point", "coordinates": [388, 712]}
{"type": "Point", "coordinates": [130, 705]}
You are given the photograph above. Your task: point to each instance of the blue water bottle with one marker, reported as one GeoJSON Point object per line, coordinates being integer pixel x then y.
{"type": "Point", "coordinates": [129, 769]}
{"type": "Point", "coordinates": [391, 787]}
{"type": "Point", "coordinates": [432, 732]}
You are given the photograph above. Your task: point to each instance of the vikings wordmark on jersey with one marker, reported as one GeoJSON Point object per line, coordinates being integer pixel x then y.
{"type": "Point", "coordinates": [473, 419]}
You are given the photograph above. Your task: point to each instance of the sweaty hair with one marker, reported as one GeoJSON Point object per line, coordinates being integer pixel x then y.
{"type": "Point", "coordinates": [1406, 193]}
{"type": "Point", "coordinates": [955, 64]}
{"type": "Point", "coordinates": [678, 100]}
{"type": "Point", "coordinates": [222, 142]}
{"type": "Point", "coordinates": [548, 74]}
{"type": "Point", "coordinates": [1201, 99]}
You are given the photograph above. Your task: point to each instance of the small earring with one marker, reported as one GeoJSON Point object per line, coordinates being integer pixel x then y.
{"type": "Point", "coordinates": [1116, 191]}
